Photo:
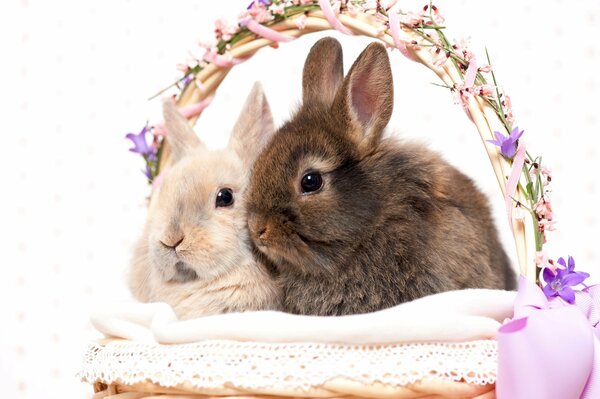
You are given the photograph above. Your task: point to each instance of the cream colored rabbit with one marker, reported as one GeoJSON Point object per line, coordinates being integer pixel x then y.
{"type": "Point", "coordinates": [195, 253]}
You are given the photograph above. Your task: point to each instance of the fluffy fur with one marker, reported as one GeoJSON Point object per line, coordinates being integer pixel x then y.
{"type": "Point", "coordinates": [392, 221]}
{"type": "Point", "coordinates": [193, 255]}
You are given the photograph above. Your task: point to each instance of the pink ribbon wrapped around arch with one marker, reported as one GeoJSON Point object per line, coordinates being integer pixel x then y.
{"type": "Point", "coordinates": [188, 111]}
{"type": "Point", "coordinates": [332, 19]}
{"type": "Point", "coordinates": [513, 180]}
{"type": "Point", "coordinates": [551, 349]}
{"type": "Point", "coordinates": [221, 60]}
{"type": "Point", "coordinates": [267, 33]}
{"type": "Point", "coordinates": [398, 42]}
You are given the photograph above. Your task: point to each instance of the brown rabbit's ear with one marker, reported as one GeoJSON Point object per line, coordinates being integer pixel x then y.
{"type": "Point", "coordinates": [366, 99]}
{"type": "Point", "coordinates": [323, 72]}
{"type": "Point", "coordinates": [180, 134]}
{"type": "Point", "coordinates": [254, 126]}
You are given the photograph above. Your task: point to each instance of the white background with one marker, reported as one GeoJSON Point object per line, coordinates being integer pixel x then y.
{"type": "Point", "coordinates": [74, 78]}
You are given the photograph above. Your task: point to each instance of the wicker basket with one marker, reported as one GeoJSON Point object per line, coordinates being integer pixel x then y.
{"type": "Point", "coordinates": [106, 354]}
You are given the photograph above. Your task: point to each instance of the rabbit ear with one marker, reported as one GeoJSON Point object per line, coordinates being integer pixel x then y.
{"type": "Point", "coordinates": [366, 98]}
{"type": "Point", "coordinates": [254, 126]}
{"type": "Point", "coordinates": [180, 134]}
{"type": "Point", "coordinates": [323, 72]}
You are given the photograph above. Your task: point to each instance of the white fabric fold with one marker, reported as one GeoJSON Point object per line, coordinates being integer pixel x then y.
{"type": "Point", "coordinates": [452, 316]}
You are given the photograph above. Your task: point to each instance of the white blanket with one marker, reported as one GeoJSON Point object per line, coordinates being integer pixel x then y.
{"type": "Point", "coordinates": [451, 316]}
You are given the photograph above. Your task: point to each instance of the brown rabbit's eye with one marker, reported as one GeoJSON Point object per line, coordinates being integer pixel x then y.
{"type": "Point", "coordinates": [311, 182]}
{"type": "Point", "coordinates": [224, 197]}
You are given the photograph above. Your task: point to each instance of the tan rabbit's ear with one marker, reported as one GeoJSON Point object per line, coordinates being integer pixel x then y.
{"type": "Point", "coordinates": [323, 72]}
{"type": "Point", "coordinates": [254, 126]}
{"type": "Point", "coordinates": [366, 98]}
{"type": "Point", "coordinates": [180, 134]}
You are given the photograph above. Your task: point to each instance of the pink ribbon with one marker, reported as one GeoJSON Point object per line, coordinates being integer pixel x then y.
{"type": "Point", "coordinates": [470, 75]}
{"type": "Point", "coordinates": [551, 349]}
{"type": "Point", "coordinates": [267, 33]}
{"type": "Point", "coordinates": [189, 111]}
{"type": "Point", "coordinates": [398, 42]}
{"type": "Point", "coordinates": [513, 180]}
{"type": "Point", "coordinates": [331, 18]}
{"type": "Point", "coordinates": [220, 60]}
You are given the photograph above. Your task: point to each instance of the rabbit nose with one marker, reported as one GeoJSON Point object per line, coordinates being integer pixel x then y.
{"type": "Point", "coordinates": [262, 233]}
{"type": "Point", "coordinates": [258, 228]}
{"type": "Point", "coordinates": [173, 243]}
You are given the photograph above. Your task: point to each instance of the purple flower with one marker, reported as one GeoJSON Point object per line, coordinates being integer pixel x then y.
{"type": "Point", "coordinates": [186, 80]}
{"type": "Point", "coordinates": [148, 172]}
{"type": "Point", "coordinates": [508, 145]}
{"type": "Point", "coordinates": [560, 283]}
{"type": "Point", "coordinates": [140, 145]}
{"type": "Point", "coordinates": [263, 2]}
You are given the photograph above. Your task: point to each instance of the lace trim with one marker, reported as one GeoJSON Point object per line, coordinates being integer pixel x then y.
{"type": "Point", "coordinates": [301, 366]}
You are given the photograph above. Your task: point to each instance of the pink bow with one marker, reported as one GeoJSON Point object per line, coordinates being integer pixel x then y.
{"type": "Point", "coordinates": [550, 349]}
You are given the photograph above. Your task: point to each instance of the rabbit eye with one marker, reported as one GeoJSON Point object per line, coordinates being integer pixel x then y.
{"type": "Point", "coordinates": [224, 198]}
{"type": "Point", "coordinates": [311, 182]}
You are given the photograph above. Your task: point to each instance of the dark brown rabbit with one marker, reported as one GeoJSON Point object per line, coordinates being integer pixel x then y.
{"type": "Point", "coordinates": [356, 222]}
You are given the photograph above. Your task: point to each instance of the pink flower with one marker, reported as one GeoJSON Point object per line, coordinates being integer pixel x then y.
{"type": "Point", "coordinates": [543, 208]}
{"type": "Point", "coordinates": [462, 48]}
{"type": "Point", "coordinates": [183, 68]}
{"type": "Point", "coordinates": [374, 5]}
{"type": "Point", "coordinates": [369, 5]}
{"type": "Point", "coordinates": [257, 12]}
{"type": "Point", "coordinates": [508, 113]}
{"type": "Point", "coordinates": [301, 21]}
{"type": "Point", "coordinates": [382, 19]}
{"type": "Point", "coordinates": [277, 9]}
{"type": "Point", "coordinates": [439, 56]}
{"type": "Point", "coordinates": [485, 68]}
{"type": "Point", "coordinates": [352, 9]}
{"type": "Point", "coordinates": [460, 95]}
{"type": "Point", "coordinates": [440, 59]}
{"type": "Point", "coordinates": [196, 53]}
{"type": "Point", "coordinates": [533, 172]}
{"type": "Point", "coordinates": [486, 90]}
{"type": "Point", "coordinates": [225, 31]}
{"type": "Point", "coordinates": [413, 19]}
{"type": "Point", "coordinates": [546, 225]}
{"type": "Point", "coordinates": [542, 260]}
{"type": "Point", "coordinates": [437, 17]}
{"type": "Point", "coordinates": [387, 4]}
{"type": "Point", "coordinates": [546, 174]}
{"type": "Point", "coordinates": [206, 45]}
{"type": "Point", "coordinates": [335, 6]}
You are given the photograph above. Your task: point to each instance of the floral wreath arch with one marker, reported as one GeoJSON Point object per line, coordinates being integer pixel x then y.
{"type": "Point", "coordinates": [419, 36]}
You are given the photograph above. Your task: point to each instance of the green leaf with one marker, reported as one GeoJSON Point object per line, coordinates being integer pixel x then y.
{"type": "Point", "coordinates": [530, 189]}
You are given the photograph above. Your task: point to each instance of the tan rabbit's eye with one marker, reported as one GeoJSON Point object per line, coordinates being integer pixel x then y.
{"type": "Point", "coordinates": [311, 182]}
{"type": "Point", "coordinates": [224, 197]}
